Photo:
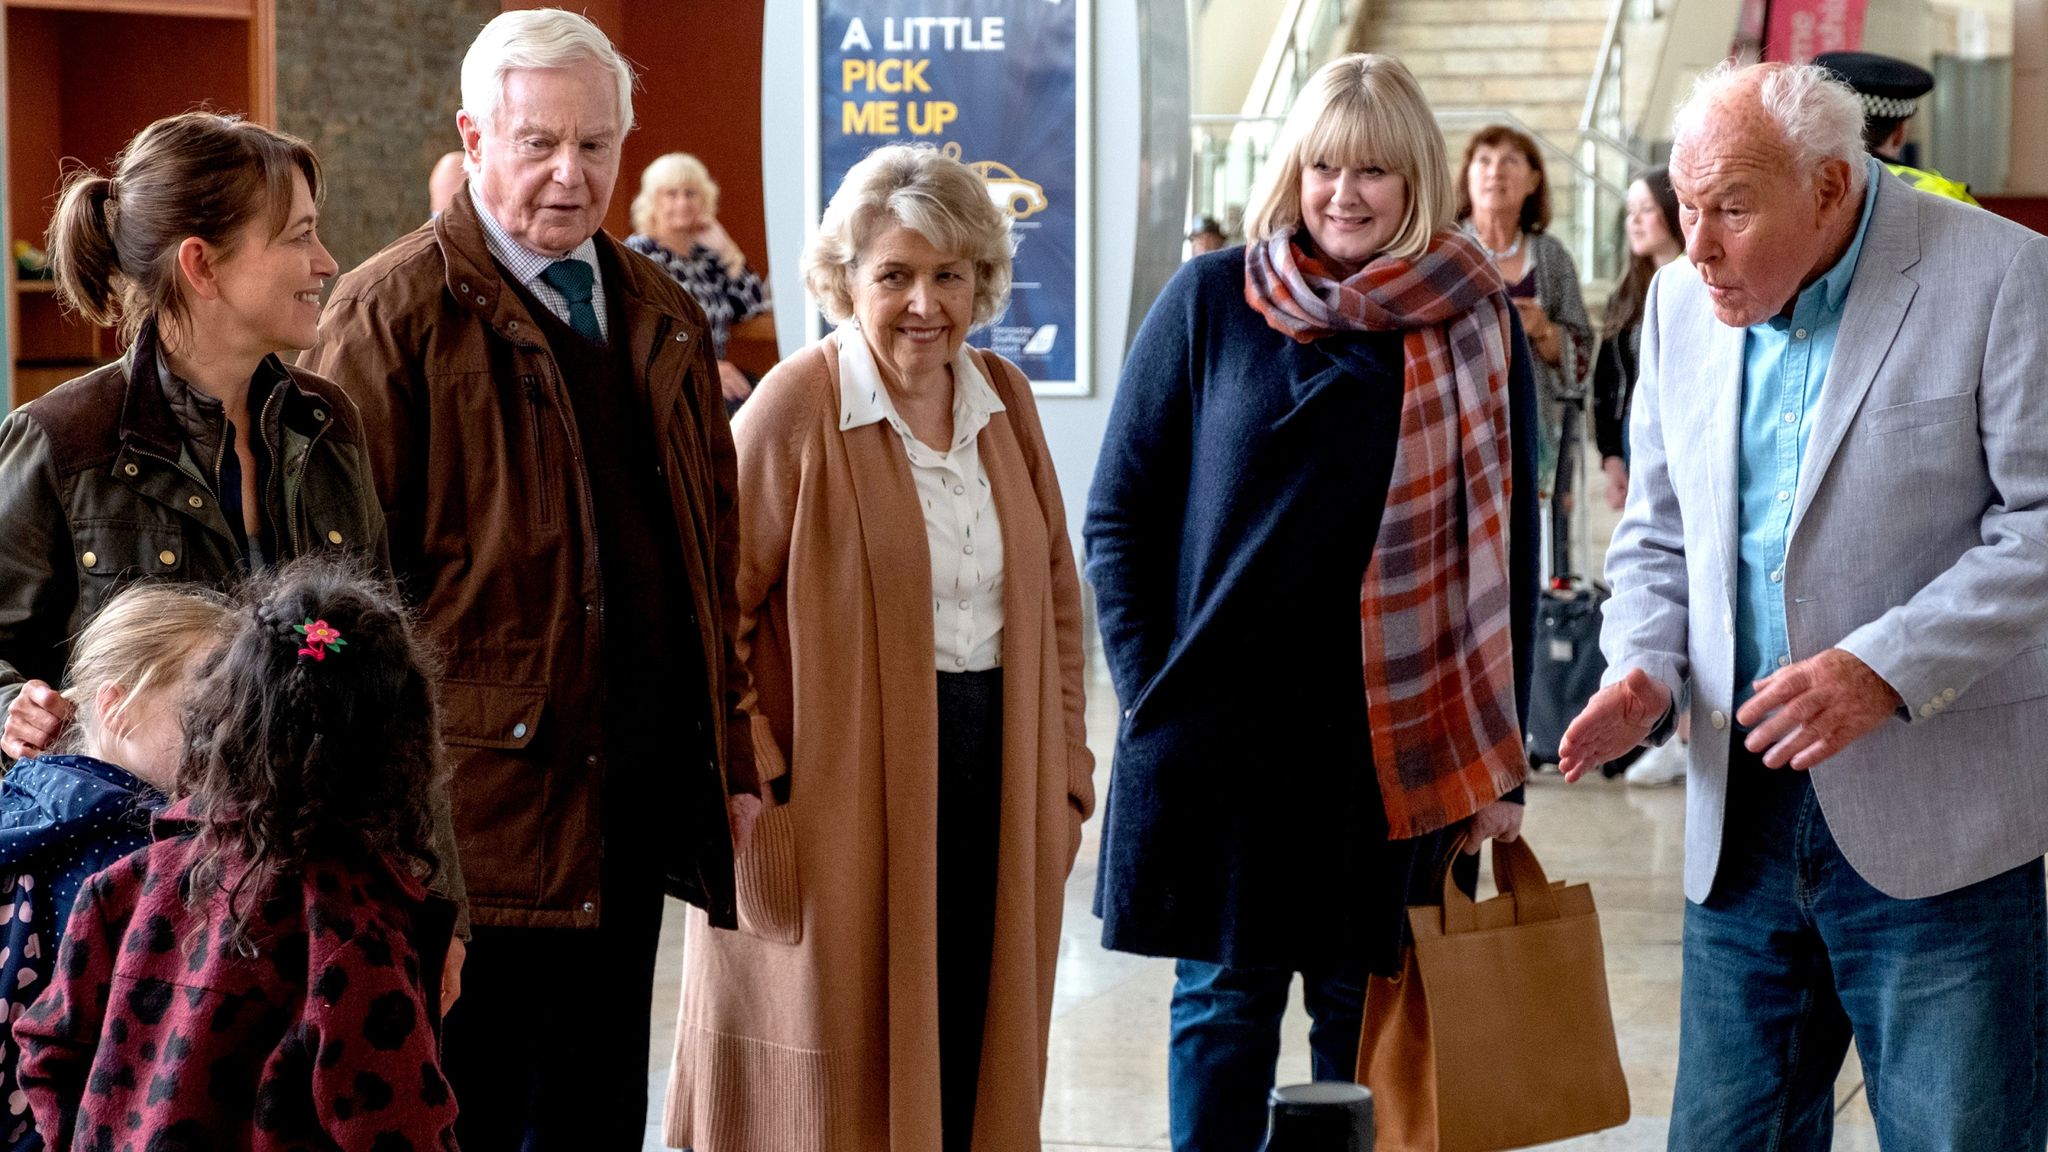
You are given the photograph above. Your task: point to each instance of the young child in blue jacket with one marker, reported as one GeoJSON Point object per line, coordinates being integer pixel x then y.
{"type": "Point", "coordinates": [265, 975]}
{"type": "Point", "coordinates": [87, 804]}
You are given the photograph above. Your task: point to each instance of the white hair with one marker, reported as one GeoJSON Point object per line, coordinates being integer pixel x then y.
{"type": "Point", "coordinates": [537, 38]}
{"type": "Point", "coordinates": [1821, 117]}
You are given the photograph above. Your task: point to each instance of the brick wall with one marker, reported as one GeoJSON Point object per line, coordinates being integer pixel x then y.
{"type": "Point", "coordinates": [373, 85]}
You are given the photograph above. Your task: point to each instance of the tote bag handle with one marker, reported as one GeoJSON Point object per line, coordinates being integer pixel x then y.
{"type": "Point", "coordinates": [1516, 873]}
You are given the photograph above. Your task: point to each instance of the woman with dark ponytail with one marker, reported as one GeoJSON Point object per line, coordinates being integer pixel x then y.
{"type": "Point", "coordinates": [199, 456]}
{"type": "Point", "coordinates": [282, 901]}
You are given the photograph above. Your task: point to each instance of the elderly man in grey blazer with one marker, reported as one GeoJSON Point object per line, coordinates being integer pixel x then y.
{"type": "Point", "coordinates": [1835, 553]}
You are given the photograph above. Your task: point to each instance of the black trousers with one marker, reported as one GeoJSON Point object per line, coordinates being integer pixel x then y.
{"type": "Point", "coordinates": [970, 820]}
{"type": "Point", "coordinates": [547, 1048]}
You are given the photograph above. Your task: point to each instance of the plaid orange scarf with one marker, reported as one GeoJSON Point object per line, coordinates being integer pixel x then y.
{"type": "Point", "coordinates": [1435, 606]}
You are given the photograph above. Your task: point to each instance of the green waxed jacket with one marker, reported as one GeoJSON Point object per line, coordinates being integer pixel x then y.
{"type": "Point", "coordinates": [113, 478]}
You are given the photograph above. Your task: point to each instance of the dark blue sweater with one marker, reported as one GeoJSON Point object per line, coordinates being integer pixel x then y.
{"type": "Point", "coordinates": [1235, 505]}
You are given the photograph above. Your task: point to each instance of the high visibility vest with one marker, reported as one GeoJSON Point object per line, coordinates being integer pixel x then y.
{"type": "Point", "coordinates": [1934, 182]}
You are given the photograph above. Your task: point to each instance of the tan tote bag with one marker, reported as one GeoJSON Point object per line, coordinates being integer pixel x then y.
{"type": "Point", "coordinates": [1497, 1033]}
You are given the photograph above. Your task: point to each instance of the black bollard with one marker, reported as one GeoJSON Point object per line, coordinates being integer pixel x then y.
{"type": "Point", "coordinates": [1327, 1116]}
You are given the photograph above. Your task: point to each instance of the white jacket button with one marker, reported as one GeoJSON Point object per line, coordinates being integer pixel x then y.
{"type": "Point", "coordinates": [1719, 719]}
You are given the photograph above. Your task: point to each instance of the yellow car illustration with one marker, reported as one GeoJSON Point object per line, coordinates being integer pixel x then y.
{"type": "Point", "coordinates": [1012, 193]}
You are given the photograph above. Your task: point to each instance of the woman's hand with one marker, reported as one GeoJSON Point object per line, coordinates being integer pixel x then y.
{"type": "Point", "coordinates": [741, 811]}
{"type": "Point", "coordinates": [733, 382]}
{"type": "Point", "coordinates": [451, 973]}
{"type": "Point", "coordinates": [35, 720]}
{"type": "Point", "coordinates": [1541, 332]}
{"type": "Point", "coordinates": [1617, 481]}
{"type": "Point", "coordinates": [713, 235]}
{"type": "Point", "coordinates": [1500, 820]}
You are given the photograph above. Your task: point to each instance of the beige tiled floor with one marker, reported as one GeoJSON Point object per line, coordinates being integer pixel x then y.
{"type": "Point", "coordinates": [1107, 1081]}
{"type": "Point", "coordinates": [1106, 1087]}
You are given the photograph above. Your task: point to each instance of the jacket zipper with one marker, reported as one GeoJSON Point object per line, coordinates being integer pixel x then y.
{"type": "Point", "coordinates": [596, 560]}
{"type": "Point", "coordinates": [547, 474]}
{"type": "Point", "coordinates": [710, 747]}
{"type": "Point", "coordinates": [220, 454]}
{"type": "Point", "coordinates": [277, 471]}
{"type": "Point", "coordinates": [294, 509]}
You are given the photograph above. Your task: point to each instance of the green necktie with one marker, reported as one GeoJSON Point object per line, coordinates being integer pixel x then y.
{"type": "Point", "coordinates": [572, 278]}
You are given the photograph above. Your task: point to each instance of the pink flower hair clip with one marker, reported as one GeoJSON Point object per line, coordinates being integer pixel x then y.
{"type": "Point", "coordinates": [320, 636]}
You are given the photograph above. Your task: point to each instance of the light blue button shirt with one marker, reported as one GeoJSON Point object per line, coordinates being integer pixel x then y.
{"type": "Point", "coordinates": [1785, 366]}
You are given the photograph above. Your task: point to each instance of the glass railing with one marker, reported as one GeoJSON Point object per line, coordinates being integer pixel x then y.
{"type": "Point", "coordinates": [1229, 151]}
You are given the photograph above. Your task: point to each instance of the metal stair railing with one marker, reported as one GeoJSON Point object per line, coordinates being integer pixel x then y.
{"type": "Point", "coordinates": [1604, 126]}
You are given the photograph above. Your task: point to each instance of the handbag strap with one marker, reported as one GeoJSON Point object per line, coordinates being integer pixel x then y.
{"type": "Point", "coordinates": [1516, 873]}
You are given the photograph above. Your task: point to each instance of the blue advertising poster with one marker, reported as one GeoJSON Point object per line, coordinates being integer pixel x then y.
{"type": "Point", "coordinates": [1002, 86]}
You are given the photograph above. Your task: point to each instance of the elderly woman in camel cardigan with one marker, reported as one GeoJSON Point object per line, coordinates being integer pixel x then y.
{"type": "Point", "coordinates": [911, 615]}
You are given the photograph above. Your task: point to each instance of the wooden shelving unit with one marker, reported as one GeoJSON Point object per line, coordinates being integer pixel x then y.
{"type": "Point", "coordinates": [83, 76]}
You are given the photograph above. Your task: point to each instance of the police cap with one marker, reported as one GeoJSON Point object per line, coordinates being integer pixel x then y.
{"type": "Point", "coordinates": [1891, 89]}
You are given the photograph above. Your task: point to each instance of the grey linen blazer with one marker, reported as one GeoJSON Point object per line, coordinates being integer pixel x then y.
{"type": "Point", "coordinates": [1919, 543]}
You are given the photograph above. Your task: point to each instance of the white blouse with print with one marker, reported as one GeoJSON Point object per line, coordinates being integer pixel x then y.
{"type": "Point", "coordinates": [959, 507]}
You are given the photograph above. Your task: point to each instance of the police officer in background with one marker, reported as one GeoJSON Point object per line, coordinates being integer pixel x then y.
{"type": "Point", "coordinates": [1891, 90]}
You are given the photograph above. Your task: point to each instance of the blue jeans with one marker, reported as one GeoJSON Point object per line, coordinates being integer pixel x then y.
{"type": "Point", "coordinates": [1793, 955]}
{"type": "Point", "coordinates": [1226, 1046]}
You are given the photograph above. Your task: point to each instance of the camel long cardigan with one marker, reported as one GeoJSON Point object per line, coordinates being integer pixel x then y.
{"type": "Point", "coordinates": [814, 1027]}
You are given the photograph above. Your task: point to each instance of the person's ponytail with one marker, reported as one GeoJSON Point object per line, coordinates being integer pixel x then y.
{"type": "Point", "coordinates": [83, 256]}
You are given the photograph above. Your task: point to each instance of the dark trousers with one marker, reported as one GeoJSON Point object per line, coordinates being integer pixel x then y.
{"type": "Point", "coordinates": [547, 1048]}
{"type": "Point", "coordinates": [970, 819]}
{"type": "Point", "coordinates": [1794, 955]}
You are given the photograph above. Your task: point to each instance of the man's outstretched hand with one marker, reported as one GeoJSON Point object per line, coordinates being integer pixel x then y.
{"type": "Point", "coordinates": [1617, 718]}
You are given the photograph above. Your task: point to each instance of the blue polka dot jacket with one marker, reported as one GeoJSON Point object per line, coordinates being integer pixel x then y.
{"type": "Point", "coordinates": [158, 1032]}
{"type": "Point", "coordinates": [62, 818]}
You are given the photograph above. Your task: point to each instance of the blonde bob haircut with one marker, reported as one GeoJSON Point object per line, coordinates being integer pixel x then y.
{"type": "Point", "coordinates": [675, 170]}
{"type": "Point", "coordinates": [1358, 109]}
{"type": "Point", "coordinates": [145, 641]}
{"type": "Point", "coordinates": [933, 195]}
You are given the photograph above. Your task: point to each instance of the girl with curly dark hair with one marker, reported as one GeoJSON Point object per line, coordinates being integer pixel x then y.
{"type": "Point", "coordinates": [260, 976]}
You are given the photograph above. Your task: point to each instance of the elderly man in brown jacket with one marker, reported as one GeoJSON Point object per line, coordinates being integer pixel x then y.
{"type": "Point", "coordinates": [545, 425]}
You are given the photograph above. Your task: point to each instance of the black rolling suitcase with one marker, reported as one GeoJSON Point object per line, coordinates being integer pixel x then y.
{"type": "Point", "coordinates": [1567, 664]}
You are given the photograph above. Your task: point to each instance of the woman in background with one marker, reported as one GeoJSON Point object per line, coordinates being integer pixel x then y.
{"type": "Point", "coordinates": [675, 224]}
{"type": "Point", "coordinates": [1651, 230]}
{"type": "Point", "coordinates": [1504, 202]}
{"type": "Point", "coordinates": [1655, 238]}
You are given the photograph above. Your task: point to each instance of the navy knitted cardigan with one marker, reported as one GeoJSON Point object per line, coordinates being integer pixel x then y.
{"type": "Point", "coordinates": [1233, 512]}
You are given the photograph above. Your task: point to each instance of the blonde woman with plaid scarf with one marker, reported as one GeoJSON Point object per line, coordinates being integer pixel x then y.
{"type": "Point", "coordinates": [1314, 565]}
